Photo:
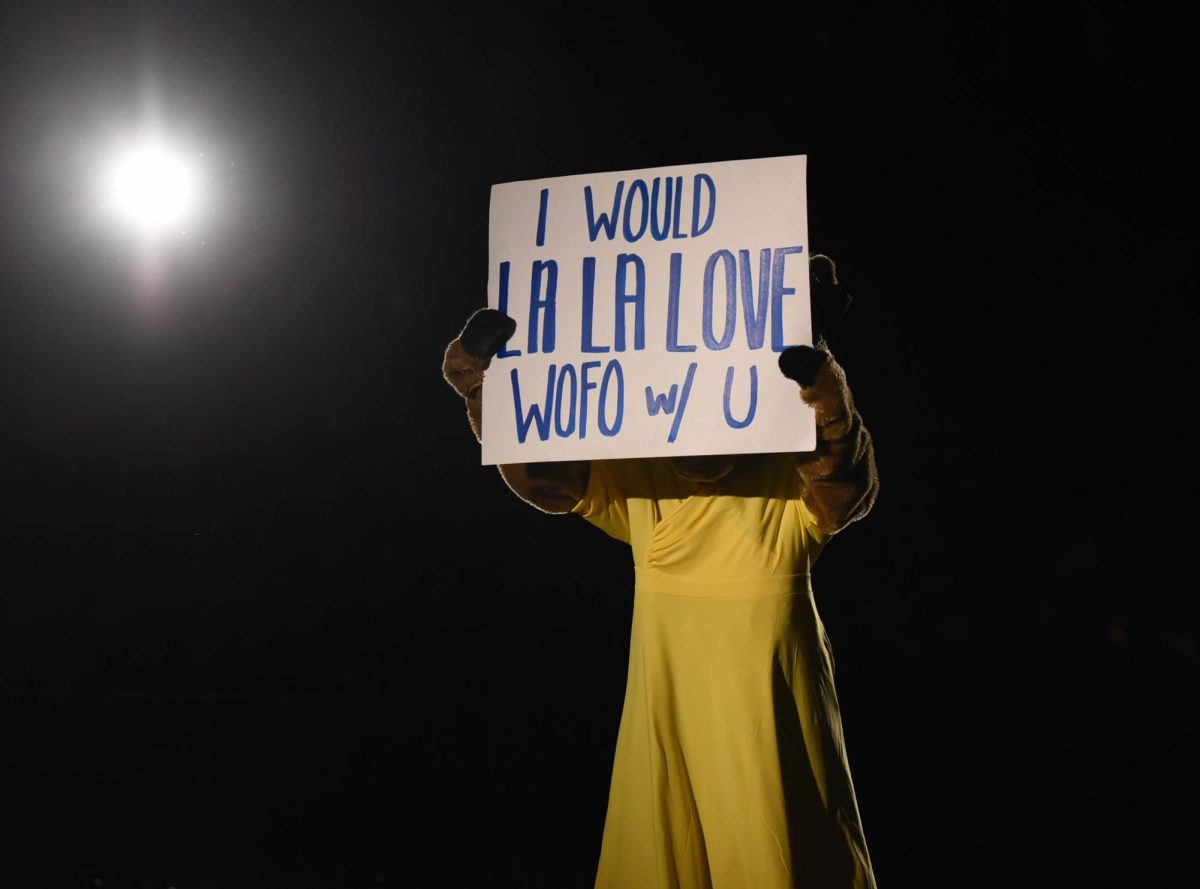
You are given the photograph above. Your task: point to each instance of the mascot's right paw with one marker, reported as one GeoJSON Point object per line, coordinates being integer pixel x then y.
{"type": "Point", "coordinates": [468, 356]}
{"type": "Point", "coordinates": [486, 332]}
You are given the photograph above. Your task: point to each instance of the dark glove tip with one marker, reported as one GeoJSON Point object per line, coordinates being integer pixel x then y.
{"type": "Point", "coordinates": [829, 300]}
{"type": "Point", "coordinates": [823, 269]}
{"type": "Point", "coordinates": [486, 332]}
{"type": "Point", "coordinates": [801, 364]}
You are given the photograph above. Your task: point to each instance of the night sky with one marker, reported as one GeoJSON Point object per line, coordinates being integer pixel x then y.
{"type": "Point", "coordinates": [228, 660]}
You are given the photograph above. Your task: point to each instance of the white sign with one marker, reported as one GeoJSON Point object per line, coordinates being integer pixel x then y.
{"type": "Point", "coordinates": [651, 308]}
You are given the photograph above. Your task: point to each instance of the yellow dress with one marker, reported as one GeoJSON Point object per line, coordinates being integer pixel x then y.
{"type": "Point", "coordinates": [730, 770]}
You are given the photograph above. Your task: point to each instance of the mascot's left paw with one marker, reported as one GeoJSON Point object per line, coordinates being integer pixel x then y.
{"type": "Point", "coordinates": [802, 364]}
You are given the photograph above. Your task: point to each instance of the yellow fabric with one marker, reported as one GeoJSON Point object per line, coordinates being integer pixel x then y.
{"type": "Point", "coordinates": [730, 771]}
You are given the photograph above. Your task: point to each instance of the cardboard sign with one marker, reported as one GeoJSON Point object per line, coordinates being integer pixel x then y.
{"type": "Point", "coordinates": [651, 308]}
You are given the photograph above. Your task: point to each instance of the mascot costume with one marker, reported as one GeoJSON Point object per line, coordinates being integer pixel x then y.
{"type": "Point", "coordinates": [730, 770]}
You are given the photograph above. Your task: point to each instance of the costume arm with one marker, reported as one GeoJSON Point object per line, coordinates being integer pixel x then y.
{"type": "Point", "coordinates": [839, 482]}
{"type": "Point", "coordinates": [551, 487]}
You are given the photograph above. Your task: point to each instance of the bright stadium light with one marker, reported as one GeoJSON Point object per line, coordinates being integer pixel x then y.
{"type": "Point", "coordinates": [151, 187]}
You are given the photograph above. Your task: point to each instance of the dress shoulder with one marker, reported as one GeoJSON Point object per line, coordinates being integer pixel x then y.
{"type": "Point", "coordinates": [604, 504]}
{"type": "Point", "coordinates": [788, 485]}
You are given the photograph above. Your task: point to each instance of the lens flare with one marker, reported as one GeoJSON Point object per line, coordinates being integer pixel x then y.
{"type": "Point", "coordinates": [152, 187]}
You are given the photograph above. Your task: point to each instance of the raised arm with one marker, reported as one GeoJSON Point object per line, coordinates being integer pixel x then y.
{"type": "Point", "coordinates": [840, 482]}
{"type": "Point", "coordinates": [839, 479]}
{"type": "Point", "coordinates": [551, 487]}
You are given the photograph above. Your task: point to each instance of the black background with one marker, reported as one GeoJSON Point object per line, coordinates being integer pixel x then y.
{"type": "Point", "coordinates": [227, 661]}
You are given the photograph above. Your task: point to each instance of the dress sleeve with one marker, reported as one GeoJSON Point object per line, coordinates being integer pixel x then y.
{"type": "Point", "coordinates": [603, 505]}
{"type": "Point", "coordinates": [814, 537]}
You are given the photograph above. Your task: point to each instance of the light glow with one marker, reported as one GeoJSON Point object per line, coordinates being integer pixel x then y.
{"type": "Point", "coordinates": [152, 187]}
